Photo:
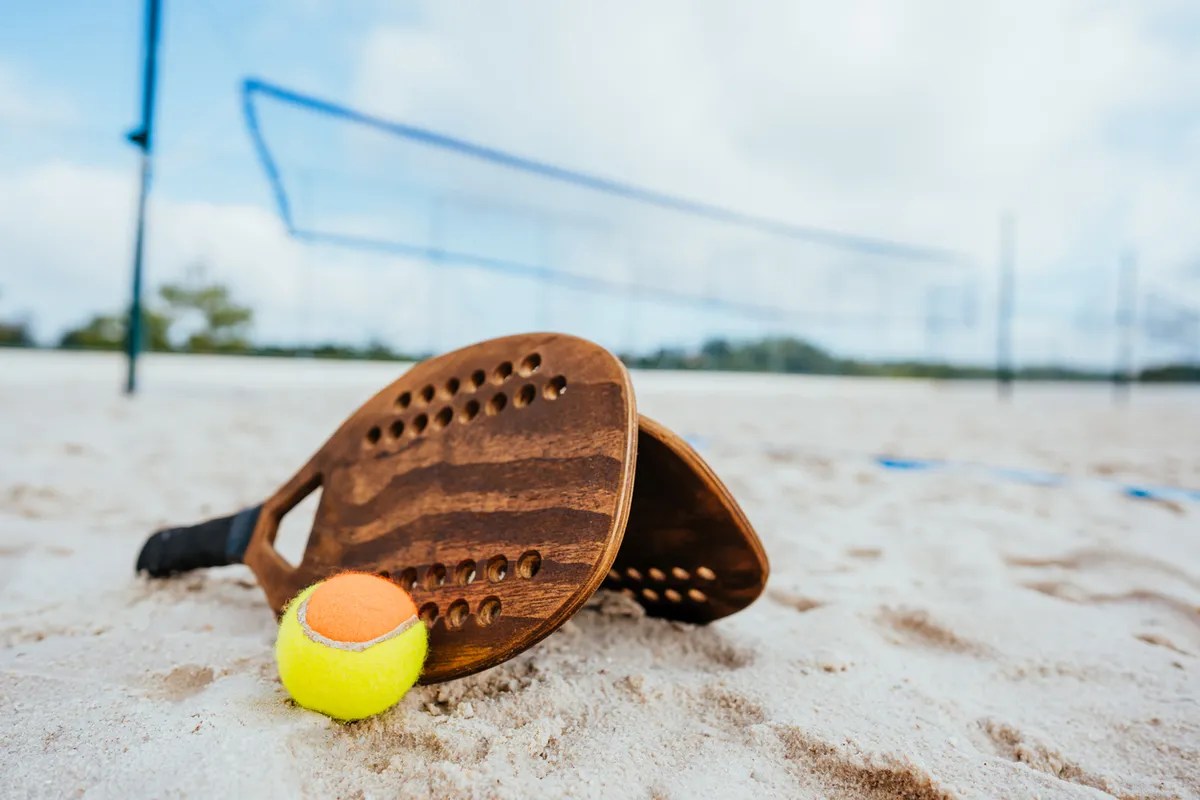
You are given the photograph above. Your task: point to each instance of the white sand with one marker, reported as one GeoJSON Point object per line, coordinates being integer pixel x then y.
{"type": "Point", "coordinates": [923, 635]}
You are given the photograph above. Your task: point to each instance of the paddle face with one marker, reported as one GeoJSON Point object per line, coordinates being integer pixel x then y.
{"type": "Point", "coordinates": [494, 483]}
{"type": "Point", "coordinates": [689, 552]}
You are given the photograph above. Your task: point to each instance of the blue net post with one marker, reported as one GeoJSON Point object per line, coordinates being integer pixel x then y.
{"type": "Point", "coordinates": [143, 139]}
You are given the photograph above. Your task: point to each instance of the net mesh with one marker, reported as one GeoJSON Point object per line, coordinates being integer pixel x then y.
{"type": "Point", "coordinates": [511, 243]}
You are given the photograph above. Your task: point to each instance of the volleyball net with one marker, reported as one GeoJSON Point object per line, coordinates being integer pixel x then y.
{"type": "Point", "coordinates": [492, 242]}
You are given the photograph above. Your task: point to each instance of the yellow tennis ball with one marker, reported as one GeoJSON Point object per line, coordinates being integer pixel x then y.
{"type": "Point", "coordinates": [350, 646]}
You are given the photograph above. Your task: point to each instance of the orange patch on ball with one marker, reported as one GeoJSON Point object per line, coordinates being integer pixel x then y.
{"type": "Point", "coordinates": [357, 607]}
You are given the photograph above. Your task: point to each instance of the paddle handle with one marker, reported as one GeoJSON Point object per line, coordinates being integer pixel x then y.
{"type": "Point", "coordinates": [215, 543]}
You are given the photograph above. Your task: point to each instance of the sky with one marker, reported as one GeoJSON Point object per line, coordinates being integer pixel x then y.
{"type": "Point", "coordinates": [916, 122]}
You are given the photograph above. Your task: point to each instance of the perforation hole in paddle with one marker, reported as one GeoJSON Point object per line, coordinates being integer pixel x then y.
{"type": "Point", "coordinates": [525, 396]}
{"type": "Point", "coordinates": [464, 573]}
{"type": "Point", "coordinates": [497, 569]}
{"type": "Point", "coordinates": [530, 364]}
{"type": "Point", "coordinates": [529, 564]}
{"type": "Point", "coordinates": [489, 611]}
{"type": "Point", "coordinates": [555, 387]}
{"type": "Point", "coordinates": [457, 614]}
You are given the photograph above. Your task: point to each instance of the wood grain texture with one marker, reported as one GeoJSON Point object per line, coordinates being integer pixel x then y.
{"type": "Point", "coordinates": [689, 553]}
{"type": "Point", "coordinates": [501, 485]}
{"type": "Point", "coordinates": [494, 483]}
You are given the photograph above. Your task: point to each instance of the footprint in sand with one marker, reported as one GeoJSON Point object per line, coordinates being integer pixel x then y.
{"type": "Point", "coordinates": [1011, 743]}
{"type": "Point", "coordinates": [1094, 559]}
{"type": "Point", "coordinates": [1067, 578]}
{"type": "Point", "coordinates": [915, 628]}
{"type": "Point", "coordinates": [865, 553]}
{"type": "Point", "coordinates": [1158, 640]}
{"type": "Point", "coordinates": [181, 682]}
{"type": "Point", "coordinates": [732, 711]}
{"type": "Point", "coordinates": [1062, 590]}
{"type": "Point", "coordinates": [795, 602]}
{"type": "Point", "coordinates": [846, 772]}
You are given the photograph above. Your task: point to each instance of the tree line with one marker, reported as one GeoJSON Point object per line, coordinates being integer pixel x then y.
{"type": "Point", "coordinates": [193, 315]}
{"type": "Point", "coordinates": [196, 315]}
{"type": "Point", "coordinates": [786, 354]}
{"type": "Point", "coordinates": [211, 320]}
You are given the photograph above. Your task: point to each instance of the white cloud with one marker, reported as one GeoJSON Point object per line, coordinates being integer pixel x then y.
{"type": "Point", "coordinates": [67, 232]}
{"type": "Point", "coordinates": [22, 105]}
{"type": "Point", "coordinates": [855, 115]}
{"type": "Point", "coordinates": [910, 121]}
{"type": "Point", "coordinates": [66, 239]}
{"type": "Point", "coordinates": [913, 122]}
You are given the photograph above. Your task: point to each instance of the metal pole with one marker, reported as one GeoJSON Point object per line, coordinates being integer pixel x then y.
{"type": "Point", "coordinates": [142, 138]}
{"type": "Point", "coordinates": [1004, 306]}
{"type": "Point", "coordinates": [1126, 313]}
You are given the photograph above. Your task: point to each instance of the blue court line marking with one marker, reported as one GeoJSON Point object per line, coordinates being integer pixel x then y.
{"type": "Point", "coordinates": [1035, 477]}
{"type": "Point", "coordinates": [907, 464]}
{"type": "Point", "coordinates": [1029, 477]}
{"type": "Point", "coordinates": [1161, 493]}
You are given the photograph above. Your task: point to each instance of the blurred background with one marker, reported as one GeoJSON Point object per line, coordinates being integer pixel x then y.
{"type": "Point", "coordinates": [934, 189]}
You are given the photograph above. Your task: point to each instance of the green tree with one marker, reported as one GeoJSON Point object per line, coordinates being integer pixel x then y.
{"type": "Point", "coordinates": [1177, 373]}
{"type": "Point", "coordinates": [224, 325]}
{"type": "Point", "coordinates": [107, 332]}
{"type": "Point", "coordinates": [15, 333]}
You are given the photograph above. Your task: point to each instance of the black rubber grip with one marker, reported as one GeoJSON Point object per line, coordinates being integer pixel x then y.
{"type": "Point", "coordinates": [215, 543]}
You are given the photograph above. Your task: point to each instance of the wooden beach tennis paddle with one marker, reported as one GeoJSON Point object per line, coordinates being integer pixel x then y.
{"type": "Point", "coordinates": [689, 552]}
{"type": "Point", "coordinates": [495, 483]}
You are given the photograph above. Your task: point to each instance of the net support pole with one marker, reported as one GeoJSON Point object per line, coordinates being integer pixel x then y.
{"type": "Point", "coordinates": [142, 138]}
{"type": "Point", "coordinates": [1004, 305]}
{"type": "Point", "coordinates": [1126, 313]}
